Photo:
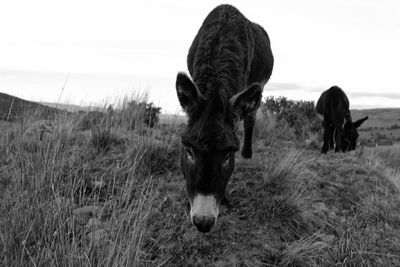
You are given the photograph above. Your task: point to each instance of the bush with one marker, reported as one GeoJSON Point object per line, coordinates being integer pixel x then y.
{"type": "Point", "coordinates": [135, 113]}
{"type": "Point", "coordinates": [299, 115]}
{"type": "Point", "coordinates": [131, 115]}
{"type": "Point", "coordinates": [151, 116]}
{"type": "Point", "coordinates": [87, 120]}
{"type": "Point", "coordinates": [143, 112]}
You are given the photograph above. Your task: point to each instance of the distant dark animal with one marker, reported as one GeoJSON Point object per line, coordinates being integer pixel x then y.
{"type": "Point", "coordinates": [333, 109]}
{"type": "Point", "coordinates": [230, 61]}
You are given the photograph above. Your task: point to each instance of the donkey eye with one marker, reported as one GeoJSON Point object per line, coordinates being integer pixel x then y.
{"type": "Point", "coordinates": [227, 158]}
{"type": "Point", "coordinates": [190, 154]}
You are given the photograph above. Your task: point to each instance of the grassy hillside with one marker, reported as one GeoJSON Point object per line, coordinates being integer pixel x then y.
{"type": "Point", "coordinates": [69, 107]}
{"type": "Point", "coordinates": [12, 107]}
{"type": "Point", "coordinates": [112, 195]}
{"type": "Point", "coordinates": [378, 117]}
{"type": "Point", "coordinates": [382, 126]}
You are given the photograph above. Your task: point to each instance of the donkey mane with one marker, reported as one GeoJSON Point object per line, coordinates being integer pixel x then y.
{"type": "Point", "coordinates": [209, 125]}
{"type": "Point", "coordinates": [218, 66]}
{"type": "Point", "coordinates": [226, 55]}
{"type": "Point", "coordinates": [217, 61]}
{"type": "Point", "coordinates": [217, 69]}
{"type": "Point", "coordinates": [212, 112]}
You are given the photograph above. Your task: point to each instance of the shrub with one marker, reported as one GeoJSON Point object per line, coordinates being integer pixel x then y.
{"type": "Point", "coordinates": [151, 116]}
{"type": "Point", "coordinates": [87, 120]}
{"type": "Point", "coordinates": [299, 115]}
{"type": "Point", "coordinates": [135, 113]}
{"type": "Point", "coordinates": [131, 114]}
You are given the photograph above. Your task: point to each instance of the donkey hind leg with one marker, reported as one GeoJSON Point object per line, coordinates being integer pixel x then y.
{"type": "Point", "coordinates": [331, 143]}
{"type": "Point", "coordinates": [248, 125]}
{"type": "Point", "coordinates": [327, 138]}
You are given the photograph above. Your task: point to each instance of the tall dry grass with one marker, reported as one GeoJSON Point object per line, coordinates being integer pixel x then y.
{"type": "Point", "coordinates": [385, 160]}
{"type": "Point", "coordinates": [52, 170]}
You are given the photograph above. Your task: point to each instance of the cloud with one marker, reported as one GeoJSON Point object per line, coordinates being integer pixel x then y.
{"type": "Point", "coordinates": [369, 94]}
{"type": "Point", "coordinates": [283, 86]}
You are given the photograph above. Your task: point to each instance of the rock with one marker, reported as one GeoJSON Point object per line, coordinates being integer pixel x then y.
{"type": "Point", "coordinates": [332, 215]}
{"type": "Point", "coordinates": [39, 129]}
{"type": "Point", "coordinates": [335, 209]}
{"type": "Point", "coordinates": [87, 210]}
{"type": "Point", "coordinates": [97, 236]}
{"type": "Point", "coordinates": [62, 202]}
{"type": "Point", "coordinates": [167, 202]}
{"type": "Point", "coordinates": [83, 214]}
{"type": "Point", "coordinates": [319, 245]}
{"type": "Point", "coordinates": [98, 185]}
{"type": "Point", "coordinates": [320, 210]}
{"type": "Point", "coordinates": [320, 206]}
{"type": "Point", "coordinates": [94, 224]}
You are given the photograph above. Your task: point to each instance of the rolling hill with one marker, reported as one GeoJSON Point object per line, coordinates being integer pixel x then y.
{"type": "Point", "coordinates": [384, 117]}
{"type": "Point", "coordinates": [11, 107]}
{"type": "Point", "coordinates": [381, 128]}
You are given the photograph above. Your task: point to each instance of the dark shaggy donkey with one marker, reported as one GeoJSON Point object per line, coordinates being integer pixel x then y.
{"type": "Point", "coordinates": [333, 109]}
{"type": "Point", "coordinates": [230, 61]}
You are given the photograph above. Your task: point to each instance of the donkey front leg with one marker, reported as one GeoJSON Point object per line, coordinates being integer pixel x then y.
{"type": "Point", "coordinates": [248, 125]}
{"type": "Point", "coordinates": [338, 138]}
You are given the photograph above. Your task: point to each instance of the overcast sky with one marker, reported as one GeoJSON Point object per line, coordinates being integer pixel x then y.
{"type": "Point", "coordinates": [117, 48]}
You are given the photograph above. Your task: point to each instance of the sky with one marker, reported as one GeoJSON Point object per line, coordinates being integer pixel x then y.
{"type": "Point", "coordinates": [112, 49]}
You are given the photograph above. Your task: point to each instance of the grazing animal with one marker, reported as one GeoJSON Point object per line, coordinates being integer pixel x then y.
{"type": "Point", "coordinates": [333, 109]}
{"type": "Point", "coordinates": [230, 61]}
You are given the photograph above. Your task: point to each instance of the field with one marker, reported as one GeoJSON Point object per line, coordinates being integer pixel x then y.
{"type": "Point", "coordinates": [381, 128]}
{"type": "Point", "coordinates": [378, 117]}
{"type": "Point", "coordinates": [80, 191]}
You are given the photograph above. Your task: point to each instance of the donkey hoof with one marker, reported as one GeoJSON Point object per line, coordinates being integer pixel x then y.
{"type": "Point", "coordinates": [246, 154]}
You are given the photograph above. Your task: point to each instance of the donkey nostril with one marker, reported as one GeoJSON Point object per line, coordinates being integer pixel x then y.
{"type": "Point", "coordinates": [203, 222]}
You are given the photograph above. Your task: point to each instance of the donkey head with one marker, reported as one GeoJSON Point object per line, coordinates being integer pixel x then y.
{"type": "Point", "coordinates": [350, 134]}
{"type": "Point", "coordinates": [209, 143]}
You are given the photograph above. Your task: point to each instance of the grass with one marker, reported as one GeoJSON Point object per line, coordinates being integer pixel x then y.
{"type": "Point", "coordinates": [108, 192]}
{"type": "Point", "coordinates": [390, 155]}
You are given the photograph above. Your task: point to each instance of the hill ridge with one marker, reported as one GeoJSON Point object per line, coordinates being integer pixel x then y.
{"type": "Point", "coordinates": [12, 107]}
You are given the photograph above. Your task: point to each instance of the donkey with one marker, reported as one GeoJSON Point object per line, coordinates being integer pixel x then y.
{"type": "Point", "coordinates": [333, 109]}
{"type": "Point", "coordinates": [230, 61]}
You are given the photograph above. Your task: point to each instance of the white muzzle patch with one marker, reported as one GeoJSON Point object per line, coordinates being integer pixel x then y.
{"type": "Point", "coordinates": [204, 205]}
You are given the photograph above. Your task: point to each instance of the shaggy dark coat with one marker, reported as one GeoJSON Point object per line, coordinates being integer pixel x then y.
{"type": "Point", "coordinates": [333, 108]}
{"type": "Point", "coordinates": [229, 61]}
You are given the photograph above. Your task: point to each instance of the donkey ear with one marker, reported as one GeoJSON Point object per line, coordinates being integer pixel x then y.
{"type": "Point", "coordinates": [246, 101]}
{"type": "Point", "coordinates": [359, 122]}
{"type": "Point", "coordinates": [188, 94]}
